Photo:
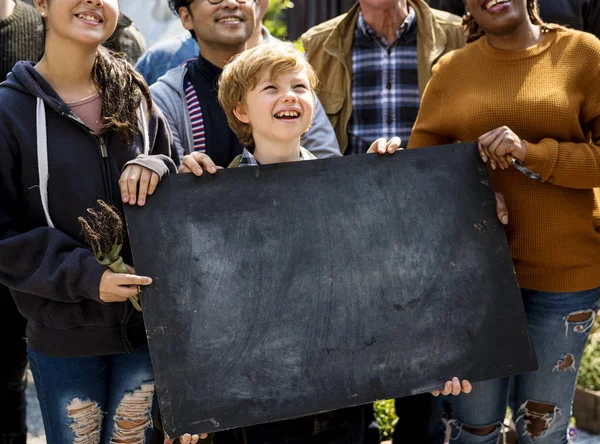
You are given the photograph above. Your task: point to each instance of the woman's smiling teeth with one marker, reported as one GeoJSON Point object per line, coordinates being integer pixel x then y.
{"type": "Point", "coordinates": [89, 18]}
{"type": "Point", "coordinates": [493, 3]}
{"type": "Point", "coordinates": [284, 114]}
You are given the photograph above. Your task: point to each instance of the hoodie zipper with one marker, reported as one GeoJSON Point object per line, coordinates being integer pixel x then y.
{"type": "Point", "coordinates": [107, 184]}
{"type": "Point", "coordinates": [103, 150]}
{"type": "Point", "coordinates": [106, 177]}
{"type": "Point", "coordinates": [106, 170]}
{"type": "Point", "coordinates": [128, 310]}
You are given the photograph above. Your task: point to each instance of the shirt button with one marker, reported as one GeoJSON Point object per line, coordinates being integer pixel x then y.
{"type": "Point", "coordinates": [390, 120]}
{"type": "Point", "coordinates": [388, 86]}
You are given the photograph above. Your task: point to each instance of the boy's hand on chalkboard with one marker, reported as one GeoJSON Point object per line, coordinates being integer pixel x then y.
{"type": "Point", "coordinates": [454, 387]}
{"type": "Point", "coordinates": [188, 439]}
{"type": "Point", "coordinates": [382, 146]}
{"type": "Point", "coordinates": [197, 163]}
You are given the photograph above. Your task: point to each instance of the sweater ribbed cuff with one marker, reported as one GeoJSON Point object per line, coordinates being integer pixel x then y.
{"type": "Point", "coordinates": [541, 157]}
{"type": "Point", "coordinates": [88, 285]}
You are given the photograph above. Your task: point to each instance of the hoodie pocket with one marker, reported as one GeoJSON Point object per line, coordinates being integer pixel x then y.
{"type": "Point", "coordinates": [65, 316]}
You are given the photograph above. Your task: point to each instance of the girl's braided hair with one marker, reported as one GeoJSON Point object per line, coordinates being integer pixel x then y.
{"type": "Point", "coordinates": [473, 31]}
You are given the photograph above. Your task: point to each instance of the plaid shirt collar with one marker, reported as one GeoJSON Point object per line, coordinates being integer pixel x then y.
{"type": "Point", "coordinates": [248, 158]}
{"type": "Point", "coordinates": [369, 34]}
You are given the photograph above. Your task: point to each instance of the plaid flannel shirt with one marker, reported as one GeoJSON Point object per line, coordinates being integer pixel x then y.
{"type": "Point", "coordinates": [385, 85]}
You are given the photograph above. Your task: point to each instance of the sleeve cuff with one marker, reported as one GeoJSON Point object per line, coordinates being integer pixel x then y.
{"type": "Point", "coordinates": [89, 280]}
{"type": "Point", "coordinates": [158, 163]}
{"type": "Point", "coordinates": [541, 157]}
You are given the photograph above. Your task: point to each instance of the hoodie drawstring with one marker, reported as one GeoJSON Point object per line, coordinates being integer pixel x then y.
{"type": "Point", "coordinates": [42, 152]}
{"type": "Point", "coordinates": [144, 128]}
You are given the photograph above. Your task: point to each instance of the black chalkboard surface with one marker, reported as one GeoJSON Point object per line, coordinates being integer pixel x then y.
{"type": "Point", "coordinates": [284, 290]}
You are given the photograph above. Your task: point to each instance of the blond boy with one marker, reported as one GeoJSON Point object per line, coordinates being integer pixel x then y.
{"type": "Point", "coordinates": [267, 94]}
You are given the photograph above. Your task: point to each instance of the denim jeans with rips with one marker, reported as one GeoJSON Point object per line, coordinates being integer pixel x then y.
{"type": "Point", "coordinates": [95, 399]}
{"type": "Point", "coordinates": [559, 324]}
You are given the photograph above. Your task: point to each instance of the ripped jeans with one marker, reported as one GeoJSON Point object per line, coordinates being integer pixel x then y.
{"type": "Point", "coordinates": [95, 399]}
{"type": "Point", "coordinates": [559, 324]}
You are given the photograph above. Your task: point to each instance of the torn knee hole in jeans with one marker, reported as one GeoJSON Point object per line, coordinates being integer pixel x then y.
{"type": "Point", "coordinates": [86, 422]}
{"type": "Point", "coordinates": [481, 431]}
{"type": "Point", "coordinates": [564, 364]}
{"type": "Point", "coordinates": [582, 321]}
{"type": "Point", "coordinates": [538, 417]}
{"type": "Point", "coordinates": [134, 416]}
{"type": "Point", "coordinates": [474, 430]}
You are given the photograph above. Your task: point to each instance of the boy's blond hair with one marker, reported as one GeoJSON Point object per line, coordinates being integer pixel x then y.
{"type": "Point", "coordinates": [241, 75]}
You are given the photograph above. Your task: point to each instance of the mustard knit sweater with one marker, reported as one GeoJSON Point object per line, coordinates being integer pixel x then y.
{"type": "Point", "coordinates": [549, 95]}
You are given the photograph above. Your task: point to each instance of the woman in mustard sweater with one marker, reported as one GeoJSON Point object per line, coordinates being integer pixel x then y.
{"type": "Point", "coordinates": [528, 92]}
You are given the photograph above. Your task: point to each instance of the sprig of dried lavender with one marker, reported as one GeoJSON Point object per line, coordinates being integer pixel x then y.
{"type": "Point", "coordinates": [103, 231]}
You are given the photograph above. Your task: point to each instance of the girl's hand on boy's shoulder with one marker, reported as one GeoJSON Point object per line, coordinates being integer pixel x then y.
{"type": "Point", "coordinates": [383, 146]}
{"type": "Point", "coordinates": [197, 163]}
{"type": "Point", "coordinates": [454, 387]}
{"type": "Point", "coordinates": [188, 439]}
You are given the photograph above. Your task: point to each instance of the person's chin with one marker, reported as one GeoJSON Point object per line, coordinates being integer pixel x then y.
{"type": "Point", "coordinates": [91, 39]}
{"type": "Point", "coordinates": [233, 37]}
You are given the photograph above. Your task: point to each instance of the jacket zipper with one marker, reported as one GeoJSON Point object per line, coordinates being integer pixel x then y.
{"type": "Point", "coordinates": [106, 176]}
{"type": "Point", "coordinates": [127, 311]}
{"type": "Point", "coordinates": [106, 170]}
{"type": "Point", "coordinates": [103, 148]}
{"type": "Point", "coordinates": [104, 154]}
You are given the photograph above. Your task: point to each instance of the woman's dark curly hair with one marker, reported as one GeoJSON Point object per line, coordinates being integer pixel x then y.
{"type": "Point", "coordinates": [473, 31]}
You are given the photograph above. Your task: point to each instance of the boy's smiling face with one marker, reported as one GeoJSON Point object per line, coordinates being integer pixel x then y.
{"type": "Point", "coordinates": [281, 110]}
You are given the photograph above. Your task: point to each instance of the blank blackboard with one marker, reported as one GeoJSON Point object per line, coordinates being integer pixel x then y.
{"type": "Point", "coordinates": [289, 289]}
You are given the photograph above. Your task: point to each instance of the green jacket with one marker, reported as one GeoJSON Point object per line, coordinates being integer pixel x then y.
{"type": "Point", "coordinates": [329, 50]}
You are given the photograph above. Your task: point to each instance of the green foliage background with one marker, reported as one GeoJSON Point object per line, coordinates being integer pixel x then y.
{"type": "Point", "coordinates": [274, 18]}
{"type": "Point", "coordinates": [589, 369]}
{"type": "Point", "coordinates": [385, 413]}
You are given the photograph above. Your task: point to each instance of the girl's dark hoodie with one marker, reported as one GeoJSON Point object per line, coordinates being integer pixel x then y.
{"type": "Point", "coordinates": [53, 275]}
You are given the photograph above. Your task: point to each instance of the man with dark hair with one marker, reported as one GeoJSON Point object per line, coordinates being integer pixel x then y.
{"type": "Point", "coordinates": [172, 52]}
{"type": "Point", "coordinates": [187, 95]}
